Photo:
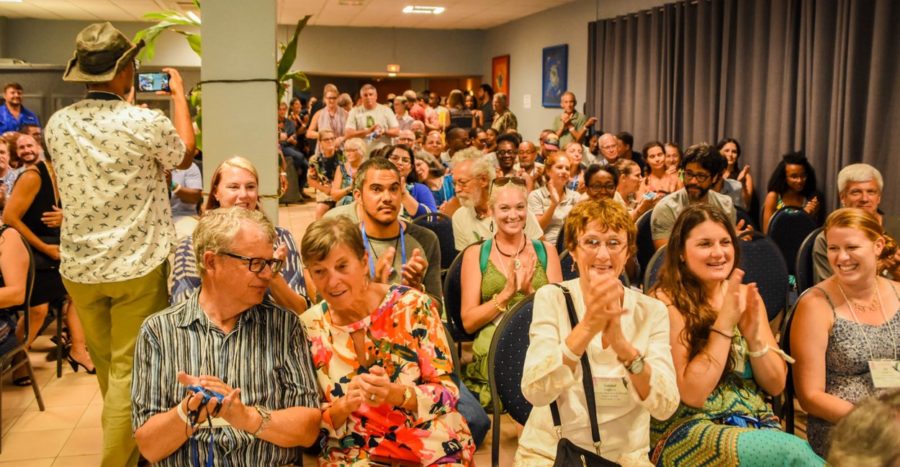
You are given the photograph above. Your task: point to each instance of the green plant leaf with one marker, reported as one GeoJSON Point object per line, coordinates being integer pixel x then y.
{"type": "Point", "coordinates": [197, 4]}
{"type": "Point", "coordinates": [193, 41]}
{"type": "Point", "coordinates": [290, 52]}
{"type": "Point", "coordinates": [298, 76]}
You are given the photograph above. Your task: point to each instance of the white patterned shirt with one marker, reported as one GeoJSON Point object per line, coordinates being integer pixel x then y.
{"type": "Point", "coordinates": [110, 158]}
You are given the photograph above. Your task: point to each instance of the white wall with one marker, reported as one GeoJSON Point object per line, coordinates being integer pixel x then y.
{"type": "Point", "coordinates": [523, 40]}
{"type": "Point", "coordinates": [322, 50]}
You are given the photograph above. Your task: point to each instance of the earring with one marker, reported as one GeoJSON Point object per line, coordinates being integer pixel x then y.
{"type": "Point", "coordinates": [572, 267]}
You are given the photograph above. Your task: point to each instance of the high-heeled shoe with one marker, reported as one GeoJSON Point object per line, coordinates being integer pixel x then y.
{"type": "Point", "coordinates": [75, 364]}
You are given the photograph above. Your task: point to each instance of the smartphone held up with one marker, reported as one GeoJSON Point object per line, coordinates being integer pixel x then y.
{"type": "Point", "coordinates": [153, 81]}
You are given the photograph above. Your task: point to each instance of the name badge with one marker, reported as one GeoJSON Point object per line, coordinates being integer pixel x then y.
{"type": "Point", "coordinates": [885, 373]}
{"type": "Point", "coordinates": [217, 422]}
{"type": "Point", "coordinates": [610, 392]}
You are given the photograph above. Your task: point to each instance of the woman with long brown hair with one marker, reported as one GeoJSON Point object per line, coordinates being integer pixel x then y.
{"type": "Point", "coordinates": [726, 358]}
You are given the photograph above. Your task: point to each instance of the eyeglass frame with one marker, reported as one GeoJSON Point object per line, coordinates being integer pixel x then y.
{"type": "Point", "coordinates": [274, 264]}
{"type": "Point", "coordinates": [701, 178]}
{"type": "Point", "coordinates": [597, 244]}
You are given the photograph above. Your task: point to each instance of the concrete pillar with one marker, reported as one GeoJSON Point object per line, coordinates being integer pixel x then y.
{"type": "Point", "coordinates": [240, 119]}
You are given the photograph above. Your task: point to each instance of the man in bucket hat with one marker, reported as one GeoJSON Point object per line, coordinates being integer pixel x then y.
{"type": "Point", "coordinates": [110, 157]}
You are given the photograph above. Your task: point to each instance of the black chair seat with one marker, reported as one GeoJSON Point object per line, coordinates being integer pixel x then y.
{"type": "Point", "coordinates": [645, 248]}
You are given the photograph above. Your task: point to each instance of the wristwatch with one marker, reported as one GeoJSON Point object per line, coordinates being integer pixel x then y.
{"type": "Point", "coordinates": [635, 366]}
{"type": "Point", "coordinates": [407, 395]}
{"type": "Point", "coordinates": [266, 416]}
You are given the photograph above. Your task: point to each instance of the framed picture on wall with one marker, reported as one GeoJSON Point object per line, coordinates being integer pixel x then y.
{"type": "Point", "coordinates": [500, 74]}
{"type": "Point", "coordinates": [554, 74]}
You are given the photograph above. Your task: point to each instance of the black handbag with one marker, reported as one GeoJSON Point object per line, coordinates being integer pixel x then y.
{"type": "Point", "coordinates": [43, 262]}
{"type": "Point", "coordinates": [567, 452]}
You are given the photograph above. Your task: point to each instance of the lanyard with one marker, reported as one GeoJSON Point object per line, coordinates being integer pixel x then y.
{"type": "Point", "coordinates": [371, 250]}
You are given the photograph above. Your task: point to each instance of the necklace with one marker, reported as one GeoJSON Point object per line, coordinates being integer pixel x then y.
{"type": "Point", "coordinates": [516, 263]}
{"type": "Point", "coordinates": [851, 305]}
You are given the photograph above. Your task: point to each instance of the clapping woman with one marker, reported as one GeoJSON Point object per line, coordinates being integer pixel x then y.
{"type": "Point", "coordinates": [726, 358]}
{"type": "Point", "coordinates": [382, 361]}
{"type": "Point", "coordinates": [624, 335]}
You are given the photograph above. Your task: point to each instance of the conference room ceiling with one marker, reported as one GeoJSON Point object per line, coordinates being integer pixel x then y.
{"type": "Point", "coordinates": [459, 14]}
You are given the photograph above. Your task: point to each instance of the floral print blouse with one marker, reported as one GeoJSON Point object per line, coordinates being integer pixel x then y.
{"type": "Point", "coordinates": [406, 337]}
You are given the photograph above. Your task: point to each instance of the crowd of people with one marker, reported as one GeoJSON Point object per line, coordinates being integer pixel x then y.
{"type": "Point", "coordinates": [252, 347]}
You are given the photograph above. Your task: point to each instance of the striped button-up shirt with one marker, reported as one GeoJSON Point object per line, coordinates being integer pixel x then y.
{"type": "Point", "coordinates": [265, 355]}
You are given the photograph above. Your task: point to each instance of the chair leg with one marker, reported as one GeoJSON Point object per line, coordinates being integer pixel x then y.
{"type": "Point", "coordinates": [34, 383]}
{"type": "Point", "coordinates": [1, 413]}
{"type": "Point", "coordinates": [59, 345]}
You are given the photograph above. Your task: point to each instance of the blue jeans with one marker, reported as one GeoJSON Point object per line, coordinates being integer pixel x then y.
{"type": "Point", "coordinates": [469, 407]}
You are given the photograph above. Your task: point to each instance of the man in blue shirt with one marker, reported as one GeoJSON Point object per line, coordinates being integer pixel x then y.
{"type": "Point", "coordinates": [13, 114]}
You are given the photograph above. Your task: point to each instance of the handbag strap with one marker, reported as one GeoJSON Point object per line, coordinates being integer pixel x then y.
{"type": "Point", "coordinates": [586, 379]}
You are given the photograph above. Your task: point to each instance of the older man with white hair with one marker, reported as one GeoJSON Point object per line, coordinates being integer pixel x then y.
{"type": "Point", "coordinates": [228, 341]}
{"type": "Point", "coordinates": [473, 176]}
{"type": "Point", "coordinates": [859, 186]}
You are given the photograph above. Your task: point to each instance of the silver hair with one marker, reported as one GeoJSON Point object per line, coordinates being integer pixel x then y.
{"type": "Point", "coordinates": [481, 166]}
{"type": "Point", "coordinates": [859, 173]}
{"type": "Point", "coordinates": [217, 228]}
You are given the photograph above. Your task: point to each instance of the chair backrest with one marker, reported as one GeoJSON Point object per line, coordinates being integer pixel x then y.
{"type": "Point", "coordinates": [803, 269]}
{"type": "Point", "coordinates": [788, 228]}
{"type": "Point", "coordinates": [442, 226]}
{"type": "Point", "coordinates": [645, 248]}
{"type": "Point", "coordinates": [453, 298]}
{"type": "Point", "coordinates": [786, 400]}
{"type": "Point", "coordinates": [651, 275]}
{"type": "Point", "coordinates": [561, 241]}
{"type": "Point", "coordinates": [454, 354]}
{"type": "Point", "coordinates": [567, 263]}
{"type": "Point", "coordinates": [506, 361]}
{"type": "Point", "coordinates": [762, 263]}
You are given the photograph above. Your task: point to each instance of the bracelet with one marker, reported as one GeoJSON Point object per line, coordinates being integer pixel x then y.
{"type": "Point", "coordinates": [729, 336]}
{"type": "Point", "coordinates": [759, 353]}
{"type": "Point", "coordinates": [497, 305]}
{"type": "Point", "coordinates": [567, 352]}
{"type": "Point", "coordinates": [265, 416]}
{"type": "Point", "coordinates": [183, 416]}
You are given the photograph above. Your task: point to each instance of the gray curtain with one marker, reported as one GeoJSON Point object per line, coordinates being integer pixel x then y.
{"type": "Point", "coordinates": [780, 75]}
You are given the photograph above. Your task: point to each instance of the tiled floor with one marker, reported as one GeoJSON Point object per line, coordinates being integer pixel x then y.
{"type": "Point", "coordinates": [68, 432]}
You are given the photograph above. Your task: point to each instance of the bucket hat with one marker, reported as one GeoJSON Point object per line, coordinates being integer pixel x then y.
{"type": "Point", "coordinates": [101, 51]}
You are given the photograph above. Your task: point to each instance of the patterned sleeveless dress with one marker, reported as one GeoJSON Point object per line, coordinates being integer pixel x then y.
{"type": "Point", "coordinates": [847, 365]}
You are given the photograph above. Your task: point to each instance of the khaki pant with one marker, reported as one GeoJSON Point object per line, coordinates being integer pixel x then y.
{"type": "Point", "coordinates": [112, 314]}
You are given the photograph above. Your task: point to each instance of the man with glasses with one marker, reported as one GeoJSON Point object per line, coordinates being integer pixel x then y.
{"type": "Point", "coordinates": [702, 165]}
{"type": "Point", "coordinates": [473, 176]}
{"type": "Point", "coordinates": [407, 138]}
{"type": "Point", "coordinates": [609, 149]}
{"type": "Point", "coordinates": [231, 340]}
{"type": "Point", "coordinates": [110, 158]}
{"type": "Point", "coordinates": [507, 150]}
{"type": "Point", "coordinates": [528, 168]}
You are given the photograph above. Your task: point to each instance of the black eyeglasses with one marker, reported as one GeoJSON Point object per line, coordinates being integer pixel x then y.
{"type": "Point", "coordinates": [506, 152]}
{"type": "Point", "coordinates": [701, 177]}
{"type": "Point", "coordinates": [256, 265]}
{"type": "Point", "coordinates": [501, 181]}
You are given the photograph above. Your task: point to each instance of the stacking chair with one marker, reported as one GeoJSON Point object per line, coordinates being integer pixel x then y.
{"type": "Point", "coordinates": [651, 275]}
{"type": "Point", "coordinates": [645, 248]}
{"type": "Point", "coordinates": [567, 263]}
{"type": "Point", "coordinates": [784, 406]}
{"type": "Point", "coordinates": [561, 242]}
{"type": "Point", "coordinates": [6, 360]}
{"type": "Point", "coordinates": [506, 362]}
{"type": "Point", "coordinates": [453, 300]}
{"type": "Point", "coordinates": [762, 263]}
{"type": "Point", "coordinates": [745, 216]}
{"type": "Point", "coordinates": [788, 228]}
{"type": "Point", "coordinates": [803, 269]}
{"type": "Point", "coordinates": [442, 226]}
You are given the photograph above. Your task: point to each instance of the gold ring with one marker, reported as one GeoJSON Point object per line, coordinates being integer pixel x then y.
{"type": "Point", "coordinates": [372, 398]}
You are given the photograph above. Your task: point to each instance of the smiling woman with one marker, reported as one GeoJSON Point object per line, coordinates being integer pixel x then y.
{"type": "Point", "coordinates": [726, 358]}
{"type": "Point", "coordinates": [845, 325]}
{"type": "Point", "coordinates": [382, 360]}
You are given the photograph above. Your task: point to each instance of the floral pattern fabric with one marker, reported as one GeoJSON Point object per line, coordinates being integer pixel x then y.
{"type": "Point", "coordinates": [406, 337]}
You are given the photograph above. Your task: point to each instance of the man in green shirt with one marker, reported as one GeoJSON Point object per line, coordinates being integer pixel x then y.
{"type": "Point", "coordinates": [571, 125]}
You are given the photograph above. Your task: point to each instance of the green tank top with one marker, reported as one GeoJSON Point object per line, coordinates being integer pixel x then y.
{"type": "Point", "coordinates": [493, 280]}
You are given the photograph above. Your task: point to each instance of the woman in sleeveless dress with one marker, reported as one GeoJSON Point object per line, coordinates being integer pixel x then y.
{"type": "Point", "coordinates": [499, 273]}
{"type": "Point", "coordinates": [844, 323]}
{"type": "Point", "coordinates": [726, 358]}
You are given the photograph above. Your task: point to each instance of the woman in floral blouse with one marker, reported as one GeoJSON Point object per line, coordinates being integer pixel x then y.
{"type": "Point", "coordinates": [382, 360]}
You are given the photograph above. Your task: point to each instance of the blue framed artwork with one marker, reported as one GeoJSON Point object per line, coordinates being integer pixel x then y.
{"type": "Point", "coordinates": [554, 74]}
